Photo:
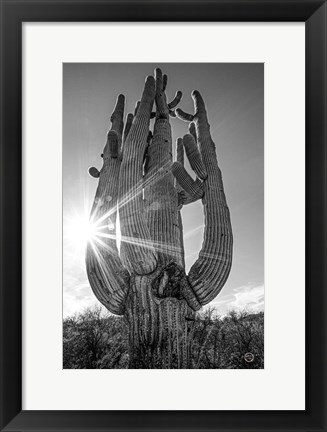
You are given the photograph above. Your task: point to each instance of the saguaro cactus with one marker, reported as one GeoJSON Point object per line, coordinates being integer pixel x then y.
{"type": "Point", "coordinates": [146, 282]}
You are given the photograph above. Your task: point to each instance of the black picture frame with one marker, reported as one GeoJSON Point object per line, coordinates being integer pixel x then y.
{"type": "Point", "coordinates": [13, 14]}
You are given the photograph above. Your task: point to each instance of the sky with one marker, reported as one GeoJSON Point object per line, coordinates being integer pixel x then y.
{"type": "Point", "coordinates": [234, 97]}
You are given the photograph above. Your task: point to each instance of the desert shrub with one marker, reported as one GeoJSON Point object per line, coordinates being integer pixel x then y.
{"type": "Point", "coordinates": [98, 340]}
{"type": "Point", "coordinates": [94, 339]}
{"type": "Point", "coordinates": [228, 342]}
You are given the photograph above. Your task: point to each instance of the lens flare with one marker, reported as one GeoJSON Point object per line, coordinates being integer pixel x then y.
{"type": "Point", "coordinates": [79, 230]}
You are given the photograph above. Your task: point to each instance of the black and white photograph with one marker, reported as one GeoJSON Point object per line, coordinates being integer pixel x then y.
{"type": "Point", "coordinates": [163, 215]}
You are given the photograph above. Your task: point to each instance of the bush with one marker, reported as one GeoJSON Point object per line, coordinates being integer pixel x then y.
{"type": "Point", "coordinates": [235, 341]}
{"type": "Point", "coordinates": [98, 340]}
{"type": "Point", "coordinates": [94, 340]}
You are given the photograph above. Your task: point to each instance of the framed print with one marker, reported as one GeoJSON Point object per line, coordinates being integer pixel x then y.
{"type": "Point", "coordinates": [194, 349]}
{"type": "Point", "coordinates": [163, 258]}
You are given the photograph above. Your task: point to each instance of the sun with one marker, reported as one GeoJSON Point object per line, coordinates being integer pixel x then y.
{"type": "Point", "coordinates": [79, 230]}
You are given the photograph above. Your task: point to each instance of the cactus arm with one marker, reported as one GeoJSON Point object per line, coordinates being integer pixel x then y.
{"type": "Point", "coordinates": [184, 116]}
{"type": "Point", "coordinates": [194, 156]}
{"type": "Point", "coordinates": [128, 126]}
{"type": "Point", "coordinates": [209, 273]}
{"type": "Point", "coordinates": [180, 159]}
{"type": "Point", "coordinates": [184, 198]}
{"type": "Point", "coordinates": [176, 100]}
{"type": "Point", "coordinates": [193, 188]}
{"type": "Point", "coordinates": [136, 107]}
{"type": "Point", "coordinates": [137, 252]}
{"type": "Point", "coordinates": [162, 200]}
{"type": "Point", "coordinates": [188, 190]}
{"type": "Point", "coordinates": [164, 82]}
{"type": "Point", "coordinates": [159, 190]}
{"type": "Point", "coordinates": [162, 109]}
{"type": "Point", "coordinates": [192, 131]}
{"type": "Point", "coordinates": [114, 143]}
{"type": "Point", "coordinates": [180, 151]}
{"type": "Point", "coordinates": [108, 278]}
{"type": "Point", "coordinates": [117, 117]}
{"type": "Point", "coordinates": [94, 172]}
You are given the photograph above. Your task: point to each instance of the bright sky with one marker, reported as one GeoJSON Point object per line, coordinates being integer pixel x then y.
{"type": "Point", "coordinates": [234, 97]}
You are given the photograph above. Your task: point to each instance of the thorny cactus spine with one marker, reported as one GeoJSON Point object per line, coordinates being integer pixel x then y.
{"type": "Point", "coordinates": [147, 282]}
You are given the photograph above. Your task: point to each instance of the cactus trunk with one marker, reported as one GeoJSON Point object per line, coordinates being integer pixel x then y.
{"type": "Point", "coordinates": [160, 329]}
